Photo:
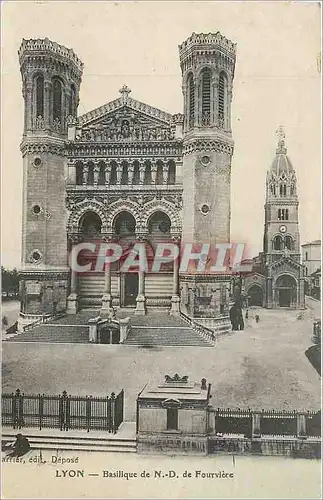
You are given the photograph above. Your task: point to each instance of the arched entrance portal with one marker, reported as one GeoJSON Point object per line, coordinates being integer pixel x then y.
{"type": "Point", "coordinates": [125, 228]}
{"type": "Point", "coordinates": [255, 296]}
{"type": "Point", "coordinates": [286, 291]}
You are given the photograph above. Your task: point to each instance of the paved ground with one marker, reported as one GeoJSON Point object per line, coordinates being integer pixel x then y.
{"type": "Point", "coordinates": [261, 367]}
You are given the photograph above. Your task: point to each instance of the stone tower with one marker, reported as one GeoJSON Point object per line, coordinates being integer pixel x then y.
{"type": "Point", "coordinates": [51, 77]}
{"type": "Point", "coordinates": [282, 268]}
{"type": "Point", "coordinates": [207, 64]}
{"type": "Point", "coordinates": [281, 235]}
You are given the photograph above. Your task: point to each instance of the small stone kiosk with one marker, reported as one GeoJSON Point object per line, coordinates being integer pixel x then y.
{"type": "Point", "coordinates": [172, 417]}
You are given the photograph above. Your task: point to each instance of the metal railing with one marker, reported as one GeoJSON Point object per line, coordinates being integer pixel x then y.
{"type": "Point", "coordinates": [63, 411]}
{"type": "Point", "coordinates": [202, 330]}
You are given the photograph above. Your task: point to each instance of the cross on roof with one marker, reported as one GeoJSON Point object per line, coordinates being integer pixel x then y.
{"type": "Point", "coordinates": [124, 91]}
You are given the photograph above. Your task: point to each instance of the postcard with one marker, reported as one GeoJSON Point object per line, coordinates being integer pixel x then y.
{"type": "Point", "coordinates": [161, 249]}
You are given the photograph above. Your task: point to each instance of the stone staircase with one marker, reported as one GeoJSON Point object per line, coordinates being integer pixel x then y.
{"type": "Point", "coordinates": [157, 328]}
{"type": "Point", "coordinates": [165, 336]}
{"type": "Point", "coordinates": [52, 439]}
{"type": "Point", "coordinates": [53, 333]}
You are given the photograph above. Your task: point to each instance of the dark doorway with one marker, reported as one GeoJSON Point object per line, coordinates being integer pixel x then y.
{"type": "Point", "coordinates": [284, 298]}
{"type": "Point", "coordinates": [172, 419]}
{"type": "Point", "coordinates": [255, 296]}
{"type": "Point", "coordinates": [110, 335]}
{"type": "Point", "coordinates": [130, 289]}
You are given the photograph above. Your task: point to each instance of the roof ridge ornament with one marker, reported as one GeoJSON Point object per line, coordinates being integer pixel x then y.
{"type": "Point", "coordinates": [280, 133]}
{"type": "Point", "coordinates": [124, 91]}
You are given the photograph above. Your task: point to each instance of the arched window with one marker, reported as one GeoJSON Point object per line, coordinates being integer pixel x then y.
{"type": "Point", "coordinates": [283, 214]}
{"type": "Point", "coordinates": [159, 224]}
{"type": "Point", "coordinates": [136, 174]}
{"type": "Point", "coordinates": [159, 173]}
{"type": "Point", "coordinates": [57, 100]}
{"type": "Point", "coordinates": [124, 174]}
{"type": "Point", "coordinates": [90, 175]}
{"type": "Point", "coordinates": [79, 174]}
{"type": "Point", "coordinates": [72, 103]}
{"type": "Point", "coordinates": [40, 96]}
{"type": "Point", "coordinates": [289, 244]}
{"type": "Point", "coordinates": [113, 175]}
{"type": "Point", "coordinates": [191, 101]}
{"type": "Point", "coordinates": [278, 243]}
{"type": "Point", "coordinates": [222, 100]}
{"type": "Point", "coordinates": [206, 96]}
{"type": "Point", "coordinates": [148, 174]}
{"type": "Point", "coordinates": [171, 177]}
{"type": "Point", "coordinates": [101, 180]}
{"type": "Point", "coordinates": [90, 224]}
{"type": "Point", "coordinates": [273, 189]}
{"type": "Point", "coordinates": [124, 224]}
{"type": "Point", "coordinates": [282, 190]}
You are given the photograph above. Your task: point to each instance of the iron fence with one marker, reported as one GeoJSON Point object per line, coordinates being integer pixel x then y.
{"type": "Point", "coordinates": [269, 422]}
{"type": "Point", "coordinates": [313, 423]}
{"type": "Point", "coordinates": [278, 423]}
{"type": "Point", "coordinates": [229, 421]}
{"type": "Point", "coordinates": [63, 411]}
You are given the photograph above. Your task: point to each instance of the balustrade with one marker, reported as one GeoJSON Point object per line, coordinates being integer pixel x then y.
{"type": "Point", "coordinates": [99, 173]}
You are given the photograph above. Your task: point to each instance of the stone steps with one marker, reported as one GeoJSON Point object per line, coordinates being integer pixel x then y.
{"type": "Point", "coordinates": [54, 334]}
{"type": "Point", "coordinates": [154, 329]}
{"type": "Point", "coordinates": [79, 443]}
{"type": "Point", "coordinates": [163, 336]}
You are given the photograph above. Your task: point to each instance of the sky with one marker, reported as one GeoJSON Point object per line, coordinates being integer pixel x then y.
{"type": "Point", "coordinates": [277, 82]}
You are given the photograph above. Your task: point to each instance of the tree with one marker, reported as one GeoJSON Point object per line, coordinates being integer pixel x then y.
{"type": "Point", "coordinates": [10, 281]}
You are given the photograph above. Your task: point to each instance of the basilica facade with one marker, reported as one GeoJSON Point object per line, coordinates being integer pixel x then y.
{"type": "Point", "coordinates": [124, 172]}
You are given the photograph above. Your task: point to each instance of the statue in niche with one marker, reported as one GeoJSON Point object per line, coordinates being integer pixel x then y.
{"type": "Point", "coordinates": [125, 129]}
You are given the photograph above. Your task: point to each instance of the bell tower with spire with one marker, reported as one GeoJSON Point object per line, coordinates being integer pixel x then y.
{"type": "Point", "coordinates": [281, 253]}
{"type": "Point", "coordinates": [281, 236]}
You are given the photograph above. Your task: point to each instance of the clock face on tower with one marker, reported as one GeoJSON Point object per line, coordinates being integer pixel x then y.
{"type": "Point", "coordinates": [283, 229]}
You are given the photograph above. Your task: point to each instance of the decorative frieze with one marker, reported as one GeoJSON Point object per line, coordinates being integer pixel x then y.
{"type": "Point", "coordinates": [201, 145]}
{"type": "Point", "coordinates": [137, 150]}
{"type": "Point", "coordinates": [41, 147]}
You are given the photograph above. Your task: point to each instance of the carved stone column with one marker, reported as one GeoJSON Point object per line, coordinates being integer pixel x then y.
{"type": "Point", "coordinates": [85, 174]}
{"type": "Point", "coordinates": [175, 308]}
{"type": "Point", "coordinates": [141, 173]}
{"type": "Point", "coordinates": [71, 173]}
{"type": "Point", "coordinates": [119, 172]}
{"type": "Point", "coordinates": [107, 173]}
{"type": "Point", "coordinates": [47, 103]}
{"type": "Point", "coordinates": [96, 174]}
{"type": "Point", "coordinates": [72, 299]}
{"type": "Point", "coordinates": [153, 174]}
{"type": "Point", "coordinates": [164, 173]}
{"type": "Point", "coordinates": [131, 170]}
{"type": "Point", "coordinates": [107, 309]}
{"type": "Point", "coordinates": [28, 95]}
{"type": "Point", "coordinates": [141, 299]}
